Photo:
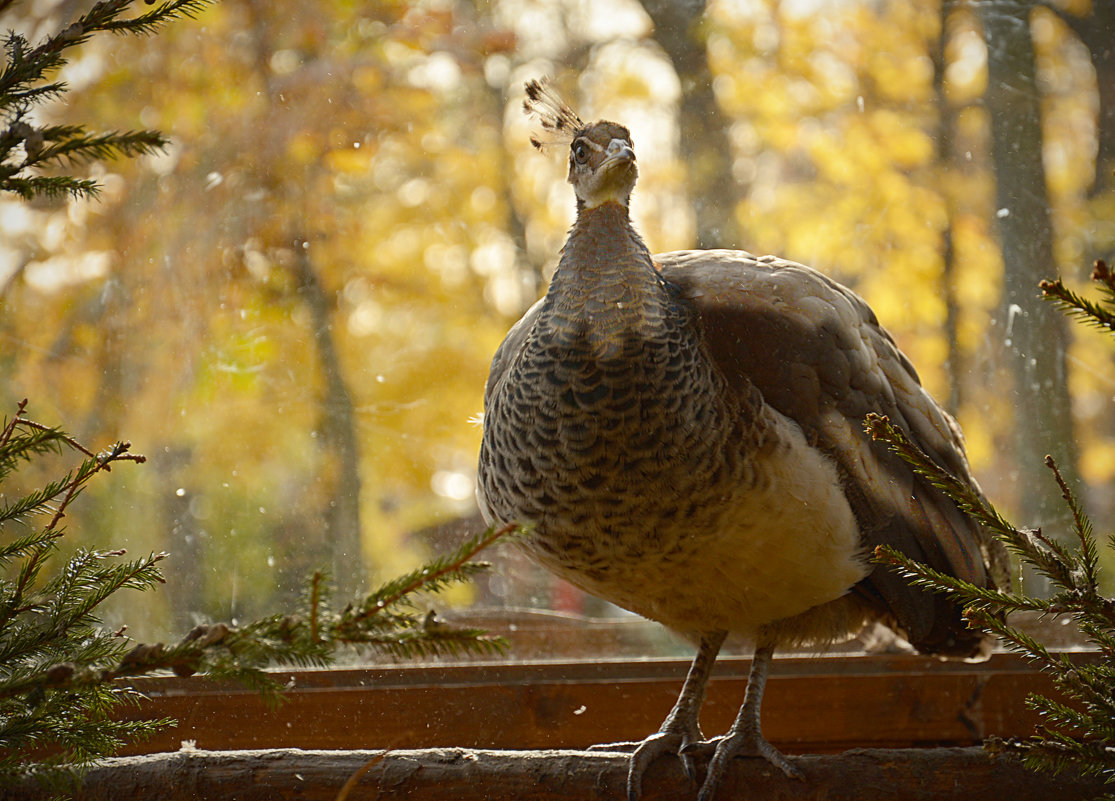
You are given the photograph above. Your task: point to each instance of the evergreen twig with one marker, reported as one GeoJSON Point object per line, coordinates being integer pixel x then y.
{"type": "Point", "coordinates": [1097, 314]}
{"type": "Point", "coordinates": [62, 674]}
{"type": "Point", "coordinates": [28, 147]}
{"type": "Point", "coordinates": [1077, 732]}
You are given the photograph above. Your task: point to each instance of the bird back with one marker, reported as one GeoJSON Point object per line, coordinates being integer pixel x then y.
{"type": "Point", "coordinates": [818, 355]}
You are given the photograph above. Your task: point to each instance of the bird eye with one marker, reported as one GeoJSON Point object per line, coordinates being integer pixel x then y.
{"type": "Point", "coordinates": [580, 152]}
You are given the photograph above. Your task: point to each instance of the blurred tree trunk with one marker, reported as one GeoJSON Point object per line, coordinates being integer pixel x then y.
{"type": "Point", "coordinates": [529, 270]}
{"type": "Point", "coordinates": [116, 377]}
{"type": "Point", "coordinates": [338, 434]}
{"type": "Point", "coordinates": [1097, 32]}
{"type": "Point", "coordinates": [946, 126]}
{"type": "Point", "coordinates": [341, 512]}
{"type": "Point", "coordinates": [706, 148]}
{"type": "Point", "coordinates": [1034, 332]}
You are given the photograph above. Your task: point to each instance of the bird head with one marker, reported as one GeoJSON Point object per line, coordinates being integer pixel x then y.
{"type": "Point", "coordinates": [601, 156]}
{"type": "Point", "coordinates": [602, 165]}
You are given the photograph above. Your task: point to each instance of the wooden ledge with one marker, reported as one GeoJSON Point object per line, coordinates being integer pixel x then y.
{"type": "Point", "coordinates": [457, 774]}
{"type": "Point", "coordinates": [825, 705]}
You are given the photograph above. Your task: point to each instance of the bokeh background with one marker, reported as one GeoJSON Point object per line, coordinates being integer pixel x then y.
{"type": "Point", "coordinates": [291, 311]}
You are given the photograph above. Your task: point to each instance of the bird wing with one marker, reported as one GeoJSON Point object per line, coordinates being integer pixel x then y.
{"type": "Point", "coordinates": [819, 356]}
{"type": "Point", "coordinates": [508, 349]}
{"type": "Point", "coordinates": [501, 362]}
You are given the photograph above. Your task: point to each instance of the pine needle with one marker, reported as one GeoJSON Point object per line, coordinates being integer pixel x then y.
{"type": "Point", "coordinates": [1077, 730]}
{"type": "Point", "coordinates": [62, 673]}
{"type": "Point", "coordinates": [34, 159]}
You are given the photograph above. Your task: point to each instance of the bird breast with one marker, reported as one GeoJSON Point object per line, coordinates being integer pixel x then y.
{"type": "Point", "coordinates": [653, 485]}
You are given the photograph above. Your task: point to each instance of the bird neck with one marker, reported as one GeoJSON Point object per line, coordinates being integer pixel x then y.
{"type": "Point", "coordinates": [605, 269]}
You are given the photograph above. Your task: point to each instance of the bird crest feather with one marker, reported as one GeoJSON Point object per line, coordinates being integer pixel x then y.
{"type": "Point", "coordinates": [559, 121]}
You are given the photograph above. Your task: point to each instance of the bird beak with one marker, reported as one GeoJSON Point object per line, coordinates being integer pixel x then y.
{"type": "Point", "coordinates": [618, 151]}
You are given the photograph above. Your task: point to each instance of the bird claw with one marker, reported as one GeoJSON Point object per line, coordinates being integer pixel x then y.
{"type": "Point", "coordinates": [727, 747]}
{"type": "Point", "coordinates": [645, 752]}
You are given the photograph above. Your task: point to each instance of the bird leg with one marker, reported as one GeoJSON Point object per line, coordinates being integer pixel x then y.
{"type": "Point", "coordinates": [681, 727]}
{"type": "Point", "coordinates": [745, 737]}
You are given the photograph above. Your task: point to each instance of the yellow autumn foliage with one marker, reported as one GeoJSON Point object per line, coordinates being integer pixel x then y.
{"type": "Point", "coordinates": [384, 146]}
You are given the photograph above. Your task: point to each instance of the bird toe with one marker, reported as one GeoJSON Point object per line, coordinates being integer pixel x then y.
{"type": "Point", "coordinates": [654, 746]}
{"type": "Point", "coordinates": [625, 747]}
{"type": "Point", "coordinates": [742, 743]}
{"type": "Point", "coordinates": [702, 750]}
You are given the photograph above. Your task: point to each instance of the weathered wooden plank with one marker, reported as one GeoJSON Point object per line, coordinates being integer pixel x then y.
{"type": "Point", "coordinates": [937, 774]}
{"type": "Point", "coordinates": [823, 705]}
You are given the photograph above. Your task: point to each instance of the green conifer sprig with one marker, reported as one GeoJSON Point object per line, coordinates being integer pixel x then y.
{"type": "Point", "coordinates": [389, 619]}
{"type": "Point", "coordinates": [1069, 732]}
{"type": "Point", "coordinates": [28, 147]}
{"type": "Point", "coordinates": [49, 625]}
{"type": "Point", "coordinates": [1099, 314]}
{"type": "Point", "coordinates": [62, 673]}
{"type": "Point", "coordinates": [393, 602]}
{"type": "Point", "coordinates": [1076, 730]}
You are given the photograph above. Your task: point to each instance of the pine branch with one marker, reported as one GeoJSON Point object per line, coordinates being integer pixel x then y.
{"type": "Point", "coordinates": [971, 595]}
{"type": "Point", "coordinates": [49, 629]}
{"type": "Point", "coordinates": [433, 639]}
{"type": "Point", "coordinates": [61, 673]}
{"type": "Point", "coordinates": [1078, 732]}
{"type": "Point", "coordinates": [51, 187]}
{"type": "Point", "coordinates": [71, 144]}
{"type": "Point", "coordinates": [1102, 274]}
{"type": "Point", "coordinates": [150, 22]}
{"type": "Point", "coordinates": [1098, 315]}
{"type": "Point", "coordinates": [242, 653]}
{"type": "Point", "coordinates": [880, 428]}
{"type": "Point", "coordinates": [434, 577]}
{"type": "Point", "coordinates": [26, 66]}
{"type": "Point", "coordinates": [27, 149]}
{"type": "Point", "coordinates": [25, 98]}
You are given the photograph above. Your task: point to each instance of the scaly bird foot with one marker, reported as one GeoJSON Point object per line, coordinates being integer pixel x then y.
{"type": "Point", "coordinates": [645, 752]}
{"type": "Point", "coordinates": [725, 748]}
{"type": "Point", "coordinates": [654, 746]}
{"type": "Point", "coordinates": [680, 730]}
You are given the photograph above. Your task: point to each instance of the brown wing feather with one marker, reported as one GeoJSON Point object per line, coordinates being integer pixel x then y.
{"type": "Point", "coordinates": [819, 356]}
{"type": "Point", "coordinates": [507, 350]}
{"type": "Point", "coordinates": [501, 362]}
